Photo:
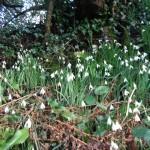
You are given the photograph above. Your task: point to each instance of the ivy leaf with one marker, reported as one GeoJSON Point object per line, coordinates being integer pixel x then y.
{"type": "Point", "coordinates": [101, 90]}
{"type": "Point", "coordinates": [19, 137]}
{"type": "Point", "coordinates": [142, 132]}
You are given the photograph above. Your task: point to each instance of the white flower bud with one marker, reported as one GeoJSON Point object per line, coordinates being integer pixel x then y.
{"type": "Point", "coordinates": [42, 106]}
{"type": "Point", "coordinates": [28, 124]}
{"type": "Point", "coordinates": [6, 110]}
{"type": "Point", "coordinates": [42, 91]}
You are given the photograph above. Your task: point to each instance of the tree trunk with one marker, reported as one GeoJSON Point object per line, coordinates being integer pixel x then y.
{"type": "Point", "coordinates": [49, 18]}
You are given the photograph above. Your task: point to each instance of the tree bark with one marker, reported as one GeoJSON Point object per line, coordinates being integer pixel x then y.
{"type": "Point", "coordinates": [49, 18]}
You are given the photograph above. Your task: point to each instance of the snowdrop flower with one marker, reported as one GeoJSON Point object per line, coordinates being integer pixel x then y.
{"type": "Point", "coordinates": [146, 61]}
{"type": "Point", "coordinates": [111, 107]}
{"type": "Point", "coordinates": [144, 68]}
{"type": "Point", "coordinates": [69, 65]}
{"type": "Point", "coordinates": [83, 104]}
{"type": "Point", "coordinates": [53, 75]}
{"type": "Point", "coordinates": [4, 64]}
{"type": "Point", "coordinates": [42, 91]}
{"type": "Point", "coordinates": [122, 63]}
{"type": "Point", "coordinates": [9, 97]}
{"type": "Point", "coordinates": [141, 72]}
{"type": "Point", "coordinates": [70, 77]}
{"type": "Point", "coordinates": [136, 47]}
{"type": "Point", "coordinates": [136, 58]}
{"type": "Point", "coordinates": [136, 110]}
{"type": "Point", "coordinates": [5, 80]}
{"type": "Point", "coordinates": [109, 67]}
{"type": "Point", "coordinates": [126, 93]}
{"type": "Point", "coordinates": [86, 74]}
{"type": "Point", "coordinates": [148, 118]}
{"type": "Point", "coordinates": [23, 103]}
{"type": "Point", "coordinates": [125, 80]}
{"type": "Point", "coordinates": [91, 87]}
{"type": "Point", "coordinates": [42, 106]}
{"type": "Point", "coordinates": [130, 110]}
{"type": "Point", "coordinates": [89, 58]}
{"type": "Point", "coordinates": [105, 82]}
{"type": "Point", "coordinates": [114, 146]}
{"type": "Point", "coordinates": [94, 47]}
{"type": "Point", "coordinates": [13, 112]}
{"type": "Point", "coordinates": [136, 118]}
{"type": "Point", "coordinates": [61, 71]}
{"type": "Point", "coordinates": [97, 66]}
{"type": "Point", "coordinates": [116, 126]}
{"type": "Point", "coordinates": [6, 110]}
{"type": "Point", "coordinates": [28, 124]}
{"type": "Point", "coordinates": [131, 59]}
{"type": "Point", "coordinates": [105, 62]}
{"type": "Point", "coordinates": [130, 67]}
{"type": "Point", "coordinates": [107, 74]}
{"type": "Point", "coordinates": [138, 104]}
{"type": "Point", "coordinates": [59, 84]}
{"type": "Point", "coordinates": [109, 121]}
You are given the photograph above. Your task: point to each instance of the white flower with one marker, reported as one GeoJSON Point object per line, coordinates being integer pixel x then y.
{"type": "Point", "coordinates": [126, 93]}
{"type": "Point", "coordinates": [91, 87]}
{"type": "Point", "coordinates": [9, 97]}
{"type": "Point", "coordinates": [114, 146]}
{"type": "Point", "coordinates": [42, 91]}
{"type": "Point", "coordinates": [125, 80]}
{"type": "Point", "coordinates": [97, 66]}
{"type": "Point", "coordinates": [59, 84]}
{"type": "Point", "coordinates": [28, 124]}
{"type": "Point", "coordinates": [42, 106]}
{"type": "Point", "coordinates": [105, 82]}
{"type": "Point", "coordinates": [83, 104]}
{"type": "Point", "coordinates": [136, 47]}
{"type": "Point", "coordinates": [86, 74]}
{"type": "Point", "coordinates": [136, 58]}
{"type": "Point", "coordinates": [130, 110]}
{"type": "Point", "coordinates": [23, 103]}
{"type": "Point", "coordinates": [136, 110]}
{"type": "Point", "coordinates": [109, 121]}
{"type": "Point", "coordinates": [53, 75]}
{"type": "Point", "coordinates": [70, 77]}
{"type": "Point", "coordinates": [13, 112]}
{"type": "Point", "coordinates": [6, 110]}
{"type": "Point", "coordinates": [89, 58]}
{"type": "Point", "coordinates": [148, 118]}
{"type": "Point", "coordinates": [111, 107]}
{"type": "Point", "coordinates": [138, 104]}
{"type": "Point", "coordinates": [141, 72]}
{"type": "Point", "coordinates": [5, 80]}
{"type": "Point", "coordinates": [69, 65]}
{"type": "Point", "coordinates": [116, 126]}
{"type": "Point", "coordinates": [144, 68]}
{"type": "Point", "coordinates": [136, 118]}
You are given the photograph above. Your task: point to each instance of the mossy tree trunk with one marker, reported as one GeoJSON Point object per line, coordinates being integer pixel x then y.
{"type": "Point", "coordinates": [50, 7]}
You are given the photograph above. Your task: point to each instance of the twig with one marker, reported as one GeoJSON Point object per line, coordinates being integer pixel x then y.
{"type": "Point", "coordinates": [19, 99]}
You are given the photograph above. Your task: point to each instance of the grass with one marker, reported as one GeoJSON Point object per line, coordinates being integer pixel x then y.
{"type": "Point", "coordinates": [100, 94]}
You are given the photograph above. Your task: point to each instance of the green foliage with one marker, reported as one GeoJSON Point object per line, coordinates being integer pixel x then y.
{"type": "Point", "coordinates": [142, 133]}
{"type": "Point", "coordinates": [19, 137]}
{"type": "Point", "coordinates": [101, 90]}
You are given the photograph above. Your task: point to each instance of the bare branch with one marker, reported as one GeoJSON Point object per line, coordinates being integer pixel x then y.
{"type": "Point", "coordinates": [39, 7]}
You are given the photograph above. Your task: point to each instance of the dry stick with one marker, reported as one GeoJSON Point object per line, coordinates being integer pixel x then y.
{"type": "Point", "coordinates": [128, 104]}
{"type": "Point", "coordinates": [13, 101]}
